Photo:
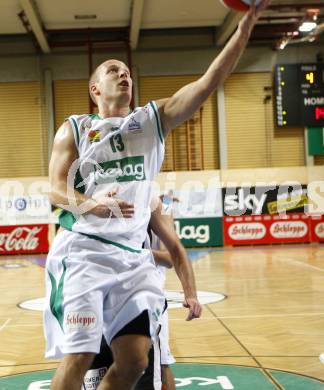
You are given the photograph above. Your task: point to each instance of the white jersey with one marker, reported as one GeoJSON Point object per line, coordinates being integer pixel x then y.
{"type": "Point", "coordinates": [117, 154]}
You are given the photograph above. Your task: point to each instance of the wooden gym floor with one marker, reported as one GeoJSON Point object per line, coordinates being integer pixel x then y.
{"type": "Point", "coordinates": [272, 317]}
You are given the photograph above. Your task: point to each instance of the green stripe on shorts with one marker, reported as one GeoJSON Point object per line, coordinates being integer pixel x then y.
{"type": "Point", "coordinates": [105, 241]}
{"type": "Point", "coordinates": [56, 298]}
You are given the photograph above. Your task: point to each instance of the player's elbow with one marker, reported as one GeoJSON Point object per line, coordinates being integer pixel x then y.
{"type": "Point", "coordinates": [168, 263]}
{"type": "Point", "coordinates": [53, 198]}
{"type": "Point", "coordinates": [55, 192]}
{"type": "Point", "coordinates": [178, 254]}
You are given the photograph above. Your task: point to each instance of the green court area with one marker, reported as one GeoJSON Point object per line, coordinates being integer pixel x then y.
{"type": "Point", "coordinates": [193, 377]}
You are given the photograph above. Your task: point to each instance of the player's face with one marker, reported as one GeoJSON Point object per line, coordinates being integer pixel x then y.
{"type": "Point", "coordinates": [115, 81]}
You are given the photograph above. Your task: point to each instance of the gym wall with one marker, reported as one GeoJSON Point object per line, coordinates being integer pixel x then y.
{"type": "Point", "coordinates": [252, 139]}
{"type": "Point", "coordinates": [23, 135]}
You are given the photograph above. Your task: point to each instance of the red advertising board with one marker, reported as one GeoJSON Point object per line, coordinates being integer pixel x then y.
{"type": "Point", "coordinates": [266, 229]}
{"type": "Point", "coordinates": [317, 228]}
{"type": "Point", "coordinates": [23, 239]}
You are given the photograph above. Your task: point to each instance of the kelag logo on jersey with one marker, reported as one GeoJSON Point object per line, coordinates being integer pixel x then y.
{"type": "Point", "coordinates": [125, 169]}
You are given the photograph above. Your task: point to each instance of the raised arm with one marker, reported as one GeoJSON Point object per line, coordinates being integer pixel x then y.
{"type": "Point", "coordinates": [62, 169]}
{"type": "Point", "coordinates": [185, 102]}
{"type": "Point", "coordinates": [163, 227]}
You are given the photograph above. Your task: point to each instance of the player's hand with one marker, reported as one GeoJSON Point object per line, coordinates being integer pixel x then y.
{"type": "Point", "coordinates": [194, 307]}
{"type": "Point", "coordinates": [251, 16]}
{"type": "Point", "coordinates": [110, 207]}
{"type": "Point", "coordinates": [263, 5]}
{"type": "Point", "coordinates": [120, 209]}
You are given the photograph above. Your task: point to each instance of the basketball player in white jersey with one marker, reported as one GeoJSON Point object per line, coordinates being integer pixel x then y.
{"type": "Point", "coordinates": [160, 358]}
{"type": "Point", "coordinates": [99, 280]}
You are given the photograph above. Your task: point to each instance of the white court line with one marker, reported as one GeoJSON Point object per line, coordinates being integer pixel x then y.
{"type": "Point", "coordinates": [254, 316]}
{"type": "Point", "coordinates": [5, 324]}
{"type": "Point", "coordinates": [274, 315]}
{"type": "Point", "coordinates": [300, 264]}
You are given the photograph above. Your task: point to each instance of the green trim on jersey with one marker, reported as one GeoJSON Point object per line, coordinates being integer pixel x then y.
{"type": "Point", "coordinates": [78, 180]}
{"type": "Point", "coordinates": [158, 122]}
{"type": "Point", "coordinates": [76, 129]}
{"type": "Point", "coordinates": [66, 220]}
{"type": "Point", "coordinates": [56, 298]}
{"type": "Point", "coordinates": [94, 116]}
{"type": "Point", "coordinates": [105, 241]}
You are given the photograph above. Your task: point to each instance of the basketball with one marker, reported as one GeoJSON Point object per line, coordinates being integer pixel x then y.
{"type": "Point", "coordinates": [239, 5]}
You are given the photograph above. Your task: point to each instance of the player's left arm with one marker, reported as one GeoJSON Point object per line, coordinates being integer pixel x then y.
{"type": "Point", "coordinates": [186, 101]}
{"type": "Point", "coordinates": [162, 257]}
{"type": "Point", "coordinates": [163, 227]}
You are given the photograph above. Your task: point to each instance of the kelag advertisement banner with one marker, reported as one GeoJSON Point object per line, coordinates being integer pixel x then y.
{"type": "Point", "coordinates": [198, 216]}
{"type": "Point", "coordinates": [200, 232]}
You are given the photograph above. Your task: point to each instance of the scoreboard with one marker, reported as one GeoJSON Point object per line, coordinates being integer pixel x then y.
{"type": "Point", "coordinates": [299, 90]}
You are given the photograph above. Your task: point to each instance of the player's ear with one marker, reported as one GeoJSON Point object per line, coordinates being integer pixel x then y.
{"type": "Point", "coordinates": [94, 90]}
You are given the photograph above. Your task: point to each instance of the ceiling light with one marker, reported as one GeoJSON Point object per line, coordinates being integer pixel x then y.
{"type": "Point", "coordinates": [307, 26]}
{"type": "Point", "coordinates": [293, 33]}
{"type": "Point", "coordinates": [283, 43]}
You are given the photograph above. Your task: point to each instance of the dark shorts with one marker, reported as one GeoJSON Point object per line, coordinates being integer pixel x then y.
{"type": "Point", "coordinates": [140, 325]}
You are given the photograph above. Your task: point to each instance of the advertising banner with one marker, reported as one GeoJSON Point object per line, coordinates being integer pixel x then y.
{"type": "Point", "coordinates": [287, 198]}
{"type": "Point", "coordinates": [317, 228]}
{"type": "Point", "coordinates": [200, 232]}
{"type": "Point", "coordinates": [197, 202]}
{"type": "Point", "coordinates": [31, 209]}
{"type": "Point", "coordinates": [198, 215]}
{"type": "Point", "coordinates": [23, 239]}
{"type": "Point", "coordinates": [267, 229]}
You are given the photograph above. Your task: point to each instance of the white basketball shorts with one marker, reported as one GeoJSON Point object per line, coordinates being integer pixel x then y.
{"type": "Point", "coordinates": [95, 289]}
{"type": "Point", "coordinates": [166, 355]}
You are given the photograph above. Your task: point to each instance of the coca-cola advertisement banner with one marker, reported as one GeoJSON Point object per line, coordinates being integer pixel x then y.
{"type": "Point", "coordinates": [23, 239]}
{"type": "Point", "coordinates": [286, 198]}
{"type": "Point", "coordinates": [267, 229]}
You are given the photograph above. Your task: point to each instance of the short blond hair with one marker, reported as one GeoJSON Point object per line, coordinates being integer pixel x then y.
{"type": "Point", "coordinates": [92, 80]}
